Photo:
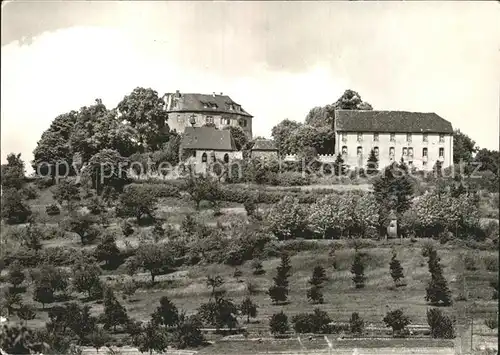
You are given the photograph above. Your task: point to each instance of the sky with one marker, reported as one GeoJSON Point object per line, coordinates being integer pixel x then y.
{"type": "Point", "coordinates": [277, 59]}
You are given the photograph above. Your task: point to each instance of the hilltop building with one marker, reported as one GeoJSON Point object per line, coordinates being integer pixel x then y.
{"type": "Point", "coordinates": [421, 139]}
{"type": "Point", "coordinates": [188, 109]}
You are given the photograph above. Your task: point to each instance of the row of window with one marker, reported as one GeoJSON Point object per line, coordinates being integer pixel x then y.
{"type": "Point", "coordinates": [204, 157]}
{"type": "Point", "coordinates": [406, 151]}
{"type": "Point", "coordinates": [210, 119]}
{"type": "Point", "coordinates": [425, 137]}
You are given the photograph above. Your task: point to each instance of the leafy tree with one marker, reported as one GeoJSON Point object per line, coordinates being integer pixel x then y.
{"type": "Point", "coordinates": [281, 134]}
{"type": "Point", "coordinates": [127, 229]}
{"type": "Point", "coordinates": [107, 250]}
{"type": "Point", "coordinates": [463, 147]}
{"type": "Point", "coordinates": [316, 322]}
{"type": "Point", "coordinates": [154, 258]}
{"type": "Point", "coordinates": [169, 153]}
{"type": "Point", "coordinates": [54, 278]}
{"type": "Point", "coordinates": [398, 321]}
{"type": "Point", "coordinates": [188, 332]}
{"type": "Point", "coordinates": [26, 312]}
{"type": "Point", "coordinates": [66, 191]}
{"type": "Point", "coordinates": [43, 293]}
{"type": "Point", "coordinates": [98, 338]}
{"type": "Point", "coordinates": [54, 147]}
{"type": "Point", "coordinates": [248, 308]}
{"type": "Point", "coordinates": [279, 291]}
{"type": "Point", "coordinates": [12, 173]}
{"type": "Point", "coordinates": [14, 210]}
{"type": "Point", "coordinates": [339, 166]}
{"type": "Point", "coordinates": [19, 340]}
{"type": "Point", "coordinates": [202, 188]}
{"type": "Point", "coordinates": [489, 160]}
{"type": "Point", "coordinates": [31, 237]}
{"type": "Point", "coordinates": [219, 310]}
{"type": "Point", "coordinates": [86, 226]}
{"type": "Point", "coordinates": [144, 110]}
{"type": "Point", "coordinates": [10, 298]}
{"type": "Point", "coordinates": [16, 274]}
{"type": "Point", "coordinates": [257, 267]}
{"type": "Point", "coordinates": [151, 338]}
{"type": "Point", "coordinates": [319, 117]}
{"type": "Point", "coordinates": [239, 136]}
{"type": "Point", "coordinates": [437, 291]}
{"type": "Point", "coordinates": [396, 269]}
{"type": "Point", "coordinates": [358, 270]}
{"type": "Point", "coordinates": [287, 219]}
{"type": "Point", "coordinates": [318, 277]}
{"type": "Point", "coordinates": [137, 201]}
{"type": "Point", "coordinates": [167, 313]}
{"type": "Point", "coordinates": [114, 313]}
{"type": "Point", "coordinates": [86, 274]}
{"type": "Point", "coordinates": [441, 325]}
{"type": "Point", "coordinates": [350, 100]}
{"type": "Point", "coordinates": [129, 288]}
{"type": "Point", "coordinates": [106, 168]}
{"type": "Point", "coordinates": [279, 323]}
{"type": "Point", "coordinates": [372, 165]}
{"type": "Point", "coordinates": [356, 324]}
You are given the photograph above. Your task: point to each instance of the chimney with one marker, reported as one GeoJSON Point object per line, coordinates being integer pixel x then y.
{"type": "Point", "coordinates": [213, 94]}
{"type": "Point", "coordinates": [177, 93]}
{"type": "Point", "coordinates": [221, 93]}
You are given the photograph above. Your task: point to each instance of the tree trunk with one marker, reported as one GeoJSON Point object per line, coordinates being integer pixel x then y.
{"type": "Point", "coordinates": [152, 277]}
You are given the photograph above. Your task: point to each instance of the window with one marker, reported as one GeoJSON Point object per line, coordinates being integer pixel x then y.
{"type": "Point", "coordinates": [393, 137]}
{"type": "Point", "coordinates": [344, 137]}
{"type": "Point", "coordinates": [226, 121]}
{"type": "Point", "coordinates": [360, 137]}
{"type": "Point", "coordinates": [344, 150]}
{"type": "Point", "coordinates": [410, 152]}
{"type": "Point", "coordinates": [391, 152]}
{"type": "Point", "coordinates": [204, 158]}
{"type": "Point", "coordinates": [441, 152]}
{"type": "Point", "coordinates": [405, 151]}
{"type": "Point", "coordinates": [375, 150]}
{"type": "Point", "coordinates": [243, 123]}
{"type": "Point", "coordinates": [226, 158]}
{"type": "Point", "coordinates": [408, 137]}
{"type": "Point", "coordinates": [425, 137]}
{"type": "Point", "coordinates": [179, 119]}
{"type": "Point", "coordinates": [360, 151]}
{"type": "Point", "coordinates": [375, 137]}
{"type": "Point", "coordinates": [424, 152]}
{"type": "Point", "coordinates": [209, 119]}
{"type": "Point", "coordinates": [194, 153]}
{"type": "Point", "coordinates": [213, 158]}
{"type": "Point", "coordinates": [424, 163]}
{"type": "Point", "coordinates": [441, 138]}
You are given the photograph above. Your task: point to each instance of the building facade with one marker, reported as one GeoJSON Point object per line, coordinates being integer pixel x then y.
{"type": "Point", "coordinates": [188, 109]}
{"type": "Point", "coordinates": [421, 139]}
{"type": "Point", "coordinates": [264, 149]}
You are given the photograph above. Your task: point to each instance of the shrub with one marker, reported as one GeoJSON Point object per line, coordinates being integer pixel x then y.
{"type": "Point", "coordinates": [491, 263]}
{"type": "Point", "coordinates": [14, 210]}
{"type": "Point", "coordinates": [398, 321]}
{"type": "Point", "coordinates": [279, 323]}
{"type": "Point", "coordinates": [293, 179]}
{"type": "Point", "coordinates": [316, 322]}
{"type": "Point", "coordinates": [52, 209]}
{"type": "Point", "coordinates": [441, 325]}
{"type": "Point", "coordinates": [29, 192]}
{"type": "Point", "coordinates": [356, 323]}
{"type": "Point", "coordinates": [469, 262]}
{"type": "Point", "coordinates": [492, 321]}
{"type": "Point", "coordinates": [287, 219]}
{"type": "Point", "coordinates": [43, 182]}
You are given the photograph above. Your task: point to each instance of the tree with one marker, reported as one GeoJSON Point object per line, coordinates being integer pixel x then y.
{"type": "Point", "coordinates": [463, 148]}
{"type": "Point", "coordinates": [169, 152]}
{"type": "Point", "coordinates": [188, 332]}
{"type": "Point", "coordinates": [202, 188]}
{"type": "Point", "coordinates": [372, 165]}
{"type": "Point", "coordinates": [396, 269]}
{"type": "Point", "coordinates": [127, 229]}
{"type": "Point", "coordinates": [16, 274]}
{"type": "Point", "coordinates": [489, 160]}
{"type": "Point", "coordinates": [86, 226]}
{"type": "Point", "coordinates": [282, 133]}
{"type": "Point", "coordinates": [167, 313]}
{"type": "Point", "coordinates": [239, 136]}
{"type": "Point", "coordinates": [287, 219]}
{"type": "Point", "coordinates": [86, 274]}
{"type": "Point", "coordinates": [10, 298]}
{"type": "Point", "coordinates": [339, 166]}
{"type": "Point", "coordinates": [137, 201]}
{"type": "Point", "coordinates": [107, 250]}
{"type": "Point", "coordinates": [154, 258]}
{"type": "Point", "coordinates": [437, 291]}
{"type": "Point", "coordinates": [151, 338]}
{"type": "Point", "coordinates": [66, 191]}
{"type": "Point", "coordinates": [53, 150]}
{"type": "Point", "coordinates": [19, 340]}
{"type": "Point", "coordinates": [350, 100]}
{"type": "Point", "coordinates": [318, 277]}
{"type": "Point", "coordinates": [397, 321]}
{"type": "Point", "coordinates": [14, 210]}
{"type": "Point", "coordinates": [358, 270]}
{"type": "Point", "coordinates": [248, 308]}
{"type": "Point", "coordinates": [12, 173]}
{"type": "Point", "coordinates": [98, 338]}
{"type": "Point", "coordinates": [26, 312]}
{"type": "Point", "coordinates": [279, 323]}
{"type": "Point", "coordinates": [107, 168]}
{"type": "Point", "coordinates": [316, 322]}
{"type": "Point", "coordinates": [43, 293]}
{"type": "Point", "coordinates": [319, 117]}
{"type": "Point", "coordinates": [356, 323]}
{"type": "Point", "coordinates": [441, 325]}
{"type": "Point", "coordinates": [52, 277]}
{"type": "Point", "coordinates": [257, 267]}
{"type": "Point", "coordinates": [114, 313]}
{"type": "Point", "coordinates": [32, 237]}
{"type": "Point", "coordinates": [144, 110]}
{"type": "Point", "coordinates": [279, 291]}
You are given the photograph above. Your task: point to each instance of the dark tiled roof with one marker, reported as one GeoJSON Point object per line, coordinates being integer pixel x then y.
{"type": "Point", "coordinates": [207, 138]}
{"type": "Point", "coordinates": [264, 144]}
{"type": "Point", "coordinates": [390, 121]}
{"type": "Point", "coordinates": [190, 102]}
